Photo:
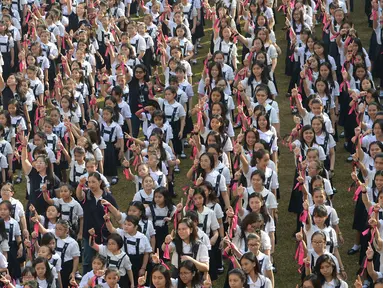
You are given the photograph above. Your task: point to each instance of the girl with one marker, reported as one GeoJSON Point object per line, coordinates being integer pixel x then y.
{"type": "Point", "coordinates": [38, 175]}
{"type": "Point", "coordinates": [139, 94]}
{"type": "Point", "coordinates": [326, 141]}
{"type": "Point", "coordinates": [204, 168]}
{"type": "Point", "coordinates": [224, 44]}
{"type": "Point", "coordinates": [66, 247]}
{"type": "Point", "coordinates": [160, 277]}
{"type": "Point", "coordinates": [14, 239]}
{"type": "Point", "coordinates": [146, 194]}
{"type": "Point", "coordinates": [98, 266]}
{"type": "Point", "coordinates": [321, 51]}
{"type": "Point", "coordinates": [43, 273]}
{"type": "Point", "coordinates": [208, 223]}
{"type": "Point", "coordinates": [115, 257]}
{"type": "Point", "coordinates": [67, 109]}
{"type": "Point", "coordinates": [325, 269]}
{"type": "Point", "coordinates": [136, 245]}
{"type": "Point", "coordinates": [158, 120]}
{"type": "Point", "coordinates": [188, 276]}
{"type": "Point", "coordinates": [257, 186]}
{"type": "Point", "coordinates": [160, 213]}
{"type": "Point", "coordinates": [70, 209]}
{"type": "Point", "coordinates": [267, 134]}
{"type": "Point", "coordinates": [186, 246]}
{"type": "Point", "coordinates": [111, 132]}
{"type": "Point", "coordinates": [252, 269]}
{"type": "Point", "coordinates": [93, 212]}
{"type": "Point", "coordinates": [51, 217]}
{"type": "Point", "coordinates": [175, 115]}
{"type": "Point", "coordinates": [112, 278]}
{"type": "Point", "coordinates": [258, 76]}
{"type": "Point", "coordinates": [237, 278]}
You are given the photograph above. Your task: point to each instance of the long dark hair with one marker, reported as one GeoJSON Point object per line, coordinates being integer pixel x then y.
{"type": "Point", "coordinates": [325, 258]}
{"type": "Point", "coordinates": [48, 273]}
{"type": "Point", "coordinates": [165, 272]}
{"type": "Point", "coordinates": [263, 210]}
{"type": "Point", "coordinates": [189, 265]}
{"type": "Point", "coordinates": [252, 258]}
{"type": "Point", "coordinates": [193, 235]}
{"type": "Point", "coordinates": [202, 171]}
{"type": "Point", "coordinates": [115, 109]}
{"type": "Point", "coordinates": [3, 231]}
{"type": "Point", "coordinates": [164, 192]}
{"type": "Point", "coordinates": [264, 77]}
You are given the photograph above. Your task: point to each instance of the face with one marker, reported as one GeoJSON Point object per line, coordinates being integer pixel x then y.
{"type": "Point", "coordinates": [247, 265]}
{"type": "Point", "coordinates": [215, 96]}
{"type": "Point", "coordinates": [214, 71]}
{"type": "Point", "coordinates": [360, 72]}
{"type": "Point", "coordinates": [324, 71]}
{"type": "Point", "coordinates": [129, 227]}
{"type": "Point", "coordinates": [251, 138]}
{"type": "Point", "coordinates": [97, 265]}
{"type": "Point", "coordinates": [12, 109]}
{"type": "Point", "coordinates": [366, 84]}
{"type": "Point", "coordinates": [321, 87]}
{"type": "Point", "coordinates": [148, 183]}
{"type": "Point", "coordinates": [254, 245]}
{"type": "Point", "coordinates": [186, 275]}
{"type": "Point", "coordinates": [308, 136]}
{"type": "Point", "coordinates": [112, 279]}
{"type": "Point", "coordinates": [264, 161]}
{"type": "Point", "coordinates": [159, 199]}
{"type": "Point", "coordinates": [139, 73]}
{"type": "Point", "coordinates": [377, 130]}
{"type": "Point", "coordinates": [158, 279]}
{"type": "Point", "coordinates": [318, 49]}
{"type": "Point", "coordinates": [261, 58]}
{"type": "Point", "coordinates": [219, 58]}
{"type": "Point", "coordinates": [262, 122]}
{"type": "Point", "coordinates": [205, 162]}
{"type": "Point", "coordinates": [134, 211]}
{"type": "Point", "coordinates": [326, 269]}
{"type": "Point", "coordinates": [93, 183]}
{"type": "Point", "coordinates": [319, 221]}
{"type": "Point", "coordinates": [184, 231]}
{"type": "Point", "coordinates": [44, 252]}
{"type": "Point", "coordinates": [378, 163]}
{"type": "Point", "coordinates": [61, 231]}
{"type": "Point", "coordinates": [6, 192]}
{"type": "Point", "coordinates": [112, 245]}
{"type": "Point", "coordinates": [40, 164]}
{"type": "Point", "coordinates": [52, 212]}
{"type": "Point", "coordinates": [319, 198]}
{"type": "Point", "coordinates": [198, 200]}
{"type": "Point", "coordinates": [261, 97]}
{"type": "Point", "coordinates": [255, 204]}
{"type": "Point", "coordinates": [313, 169]}
{"type": "Point", "coordinates": [28, 277]}
{"type": "Point", "coordinates": [216, 110]}
{"type": "Point", "coordinates": [372, 110]}
{"type": "Point", "coordinates": [256, 181]}
{"type": "Point", "coordinates": [106, 115]}
{"type": "Point", "coordinates": [4, 212]}
{"type": "Point", "coordinates": [158, 121]}
{"type": "Point", "coordinates": [257, 71]}
{"type": "Point", "coordinates": [215, 124]}
{"type": "Point", "coordinates": [3, 120]}
{"type": "Point", "coordinates": [65, 193]}
{"type": "Point", "coordinates": [169, 95]}
{"type": "Point", "coordinates": [143, 170]}
{"type": "Point", "coordinates": [40, 270]}
{"type": "Point", "coordinates": [379, 182]}
{"type": "Point", "coordinates": [374, 149]}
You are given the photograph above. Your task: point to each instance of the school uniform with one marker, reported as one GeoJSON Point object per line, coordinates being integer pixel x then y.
{"type": "Point", "coordinates": [241, 243]}
{"type": "Point", "coordinates": [6, 46]}
{"type": "Point", "coordinates": [261, 282]}
{"type": "Point", "coordinates": [173, 113]}
{"type": "Point", "coordinates": [67, 249]}
{"type": "Point", "coordinates": [45, 283]}
{"type": "Point", "coordinates": [56, 262]}
{"type": "Point", "coordinates": [196, 250]}
{"type": "Point", "coordinates": [88, 276]}
{"type": "Point", "coordinates": [50, 50]}
{"type": "Point", "coordinates": [120, 261]}
{"type": "Point", "coordinates": [13, 230]}
{"type": "Point", "coordinates": [147, 227]}
{"type": "Point", "coordinates": [17, 210]}
{"type": "Point", "coordinates": [250, 86]}
{"type": "Point", "coordinates": [229, 50]}
{"type": "Point", "coordinates": [135, 246]}
{"type": "Point", "coordinates": [156, 215]}
{"type": "Point", "coordinates": [101, 36]}
{"type": "Point", "coordinates": [3, 166]}
{"type": "Point", "coordinates": [270, 138]}
{"type": "Point", "coordinates": [166, 129]}
{"type": "Point", "coordinates": [76, 170]}
{"type": "Point", "coordinates": [138, 97]}
{"type": "Point", "coordinates": [327, 142]}
{"type": "Point", "coordinates": [110, 133]}
{"type": "Point", "coordinates": [143, 197]}
{"type": "Point", "coordinates": [271, 181]}
{"type": "Point", "coordinates": [268, 197]}
{"type": "Point", "coordinates": [331, 237]}
{"type": "Point", "coordinates": [71, 211]}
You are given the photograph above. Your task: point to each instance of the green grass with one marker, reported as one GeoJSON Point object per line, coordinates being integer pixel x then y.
{"type": "Point", "coordinates": [287, 275]}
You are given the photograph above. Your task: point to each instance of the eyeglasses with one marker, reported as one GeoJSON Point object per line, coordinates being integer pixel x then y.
{"type": "Point", "coordinates": [139, 72]}
{"type": "Point", "coordinates": [317, 243]}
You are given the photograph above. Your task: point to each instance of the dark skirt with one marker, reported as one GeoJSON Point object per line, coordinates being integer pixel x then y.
{"type": "Point", "coordinates": [13, 263]}
{"type": "Point", "coordinates": [136, 261]}
{"type": "Point", "coordinates": [7, 65]}
{"type": "Point", "coordinates": [188, 122]}
{"type": "Point", "coordinates": [110, 160]}
{"type": "Point", "coordinates": [296, 198]}
{"type": "Point", "coordinates": [161, 233]}
{"type": "Point", "coordinates": [124, 281]}
{"type": "Point", "coordinates": [373, 46]}
{"type": "Point", "coordinates": [360, 215]}
{"type": "Point", "coordinates": [177, 144]}
{"type": "Point", "coordinates": [66, 269]}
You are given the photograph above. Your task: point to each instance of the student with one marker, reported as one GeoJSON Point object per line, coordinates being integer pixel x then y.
{"type": "Point", "coordinates": [325, 268]}
{"type": "Point", "coordinates": [252, 269]}
{"type": "Point", "coordinates": [136, 245]}
{"type": "Point", "coordinates": [66, 247]}
{"type": "Point", "coordinates": [115, 257]}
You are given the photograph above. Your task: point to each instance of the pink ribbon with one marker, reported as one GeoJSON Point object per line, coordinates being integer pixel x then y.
{"type": "Point", "coordinates": [357, 192]}
{"type": "Point", "coordinates": [299, 254]}
{"type": "Point", "coordinates": [167, 252]}
{"type": "Point", "coordinates": [303, 216]}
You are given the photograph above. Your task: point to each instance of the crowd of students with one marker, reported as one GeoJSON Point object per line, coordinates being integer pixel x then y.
{"type": "Point", "coordinates": [87, 91]}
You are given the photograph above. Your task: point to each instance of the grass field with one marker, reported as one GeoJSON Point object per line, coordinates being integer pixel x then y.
{"type": "Point", "coordinates": [287, 275]}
